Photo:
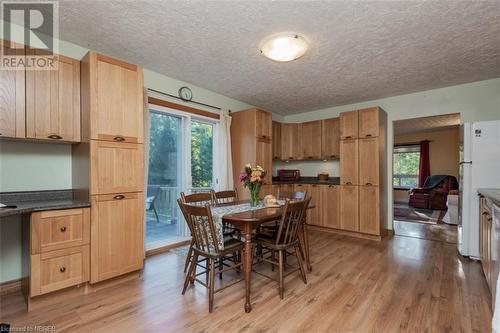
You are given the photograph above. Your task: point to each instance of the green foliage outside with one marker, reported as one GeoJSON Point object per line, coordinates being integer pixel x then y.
{"type": "Point", "coordinates": [201, 154]}
{"type": "Point", "coordinates": [406, 169]}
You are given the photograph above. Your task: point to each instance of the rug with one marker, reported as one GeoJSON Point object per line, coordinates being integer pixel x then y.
{"type": "Point", "coordinates": [402, 212]}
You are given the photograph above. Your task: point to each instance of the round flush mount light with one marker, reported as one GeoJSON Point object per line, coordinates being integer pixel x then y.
{"type": "Point", "coordinates": [284, 47]}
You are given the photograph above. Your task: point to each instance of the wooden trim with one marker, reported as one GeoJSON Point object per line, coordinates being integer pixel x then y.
{"type": "Point", "coordinates": [9, 287]}
{"type": "Point", "coordinates": [345, 232]}
{"type": "Point", "coordinates": [185, 108]}
{"type": "Point", "coordinates": [101, 57]}
{"type": "Point", "coordinates": [166, 248]}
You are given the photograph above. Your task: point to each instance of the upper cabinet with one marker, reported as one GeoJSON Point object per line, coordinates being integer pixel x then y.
{"type": "Point", "coordinates": [116, 102]}
{"type": "Point", "coordinates": [290, 142]}
{"type": "Point", "coordinates": [330, 138]}
{"type": "Point", "coordinates": [369, 122]}
{"type": "Point", "coordinates": [276, 140]}
{"type": "Point", "coordinates": [311, 140]}
{"type": "Point", "coordinates": [349, 125]}
{"type": "Point", "coordinates": [263, 123]}
{"type": "Point", "coordinates": [12, 100]}
{"type": "Point", "coordinates": [53, 102]}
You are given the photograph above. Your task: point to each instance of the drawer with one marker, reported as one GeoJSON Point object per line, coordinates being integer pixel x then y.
{"type": "Point", "coordinates": [59, 269]}
{"type": "Point", "coordinates": [59, 229]}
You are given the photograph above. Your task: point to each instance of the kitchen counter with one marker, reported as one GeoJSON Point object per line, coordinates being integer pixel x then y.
{"type": "Point", "coordinates": [35, 201]}
{"type": "Point", "coordinates": [491, 194]}
{"type": "Point", "coordinates": [309, 180]}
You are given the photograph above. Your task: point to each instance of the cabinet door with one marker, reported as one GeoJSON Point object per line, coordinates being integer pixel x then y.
{"type": "Point", "coordinates": [311, 140]}
{"type": "Point", "coordinates": [276, 140]}
{"type": "Point", "coordinates": [269, 189]}
{"type": "Point", "coordinates": [349, 162]}
{"type": "Point", "coordinates": [53, 102]}
{"type": "Point", "coordinates": [286, 191]}
{"type": "Point", "coordinates": [368, 161]}
{"type": "Point", "coordinates": [263, 124]}
{"type": "Point", "coordinates": [313, 214]}
{"type": "Point", "coordinates": [117, 234]}
{"type": "Point", "coordinates": [368, 122]}
{"type": "Point", "coordinates": [349, 208]}
{"type": "Point", "coordinates": [263, 156]}
{"type": "Point", "coordinates": [12, 100]}
{"type": "Point", "coordinates": [119, 104]}
{"type": "Point", "coordinates": [330, 206]}
{"type": "Point", "coordinates": [369, 210]}
{"type": "Point", "coordinates": [330, 138]}
{"type": "Point", "coordinates": [290, 142]}
{"type": "Point", "coordinates": [116, 167]}
{"type": "Point", "coordinates": [349, 125]}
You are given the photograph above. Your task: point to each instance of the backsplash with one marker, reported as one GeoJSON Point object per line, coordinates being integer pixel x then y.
{"type": "Point", "coordinates": [309, 168]}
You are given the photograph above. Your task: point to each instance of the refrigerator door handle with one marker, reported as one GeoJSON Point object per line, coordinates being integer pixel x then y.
{"type": "Point", "coordinates": [464, 162]}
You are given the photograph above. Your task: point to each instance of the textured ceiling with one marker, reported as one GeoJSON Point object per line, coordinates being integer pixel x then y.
{"type": "Point", "coordinates": [426, 124]}
{"type": "Point", "coordinates": [359, 50]}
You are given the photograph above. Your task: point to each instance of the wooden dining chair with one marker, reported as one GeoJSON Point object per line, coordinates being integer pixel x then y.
{"type": "Point", "coordinates": [206, 244]}
{"type": "Point", "coordinates": [224, 197]}
{"type": "Point", "coordinates": [286, 238]}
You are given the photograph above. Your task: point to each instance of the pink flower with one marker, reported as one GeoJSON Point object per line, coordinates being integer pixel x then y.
{"type": "Point", "coordinates": [243, 176]}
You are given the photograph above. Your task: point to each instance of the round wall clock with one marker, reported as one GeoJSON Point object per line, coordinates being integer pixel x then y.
{"type": "Point", "coordinates": [185, 93]}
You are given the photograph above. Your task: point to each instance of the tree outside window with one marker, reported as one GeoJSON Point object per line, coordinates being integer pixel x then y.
{"type": "Point", "coordinates": [201, 154]}
{"type": "Point", "coordinates": [406, 160]}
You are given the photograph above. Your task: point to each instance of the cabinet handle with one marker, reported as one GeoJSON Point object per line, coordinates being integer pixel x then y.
{"type": "Point", "coordinates": [368, 135]}
{"type": "Point", "coordinates": [310, 157]}
{"type": "Point", "coordinates": [62, 269]}
{"type": "Point", "coordinates": [348, 137]}
{"type": "Point", "coordinates": [119, 138]}
{"type": "Point", "coordinates": [348, 183]}
{"type": "Point", "coordinates": [368, 184]}
{"type": "Point", "coordinates": [63, 229]}
{"type": "Point", "coordinates": [314, 185]}
{"type": "Point", "coordinates": [290, 158]}
{"type": "Point", "coordinates": [119, 197]}
{"type": "Point", "coordinates": [55, 137]}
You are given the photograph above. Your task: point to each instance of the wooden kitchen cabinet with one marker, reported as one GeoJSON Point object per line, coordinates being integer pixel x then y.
{"type": "Point", "coordinates": [330, 138]}
{"type": "Point", "coordinates": [369, 161]}
{"type": "Point", "coordinates": [329, 205]}
{"type": "Point", "coordinates": [285, 191]}
{"type": "Point", "coordinates": [290, 142]}
{"type": "Point", "coordinates": [311, 140]}
{"type": "Point", "coordinates": [349, 125]}
{"type": "Point", "coordinates": [369, 210]}
{"type": "Point", "coordinates": [263, 153]}
{"type": "Point", "coordinates": [12, 100]}
{"type": "Point", "coordinates": [116, 100]}
{"type": "Point", "coordinates": [117, 234]}
{"type": "Point", "coordinates": [276, 140]}
{"type": "Point", "coordinates": [349, 163]}
{"type": "Point", "coordinates": [267, 189]}
{"type": "Point", "coordinates": [263, 124]}
{"type": "Point", "coordinates": [313, 214]}
{"type": "Point", "coordinates": [369, 122]}
{"type": "Point", "coordinates": [116, 167]}
{"type": "Point", "coordinates": [53, 101]}
{"type": "Point", "coordinates": [349, 207]}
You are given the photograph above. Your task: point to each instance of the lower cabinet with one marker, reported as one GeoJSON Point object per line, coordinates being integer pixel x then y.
{"type": "Point", "coordinates": [329, 205]}
{"type": "Point", "coordinates": [117, 234]}
{"type": "Point", "coordinates": [349, 207]}
{"type": "Point", "coordinates": [369, 210]}
{"type": "Point", "coordinates": [314, 214]}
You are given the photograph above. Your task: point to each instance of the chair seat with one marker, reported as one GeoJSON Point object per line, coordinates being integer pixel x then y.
{"type": "Point", "coordinates": [269, 240]}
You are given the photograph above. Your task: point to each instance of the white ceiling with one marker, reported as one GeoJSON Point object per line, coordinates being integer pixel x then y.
{"type": "Point", "coordinates": [359, 50]}
{"type": "Point", "coordinates": [426, 124]}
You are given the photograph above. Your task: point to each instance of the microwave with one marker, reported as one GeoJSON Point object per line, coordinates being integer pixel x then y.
{"type": "Point", "coordinates": [288, 174]}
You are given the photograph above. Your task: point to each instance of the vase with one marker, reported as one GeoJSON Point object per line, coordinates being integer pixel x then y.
{"type": "Point", "coordinates": [254, 196]}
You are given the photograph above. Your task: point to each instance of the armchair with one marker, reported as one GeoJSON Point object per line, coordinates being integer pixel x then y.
{"type": "Point", "coordinates": [434, 193]}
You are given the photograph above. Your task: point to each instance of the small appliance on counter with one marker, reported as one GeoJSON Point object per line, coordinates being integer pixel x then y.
{"type": "Point", "coordinates": [288, 174]}
{"type": "Point", "coordinates": [323, 176]}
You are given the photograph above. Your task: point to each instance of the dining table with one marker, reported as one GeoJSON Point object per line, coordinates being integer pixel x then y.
{"type": "Point", "coordinates": [247, 222]}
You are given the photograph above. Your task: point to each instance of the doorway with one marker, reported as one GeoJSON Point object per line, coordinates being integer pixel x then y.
{"type": "Point", "coordinates": [425, 177]}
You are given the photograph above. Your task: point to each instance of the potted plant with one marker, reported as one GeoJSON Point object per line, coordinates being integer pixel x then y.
{"type": "Point", "coordinates": [252, 178]}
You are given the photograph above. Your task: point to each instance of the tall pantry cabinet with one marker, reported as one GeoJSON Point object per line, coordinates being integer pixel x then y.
{"type": "Point", "coordinates": [108, 166]}
{"type": "Point", "coordinates": [363, 171]}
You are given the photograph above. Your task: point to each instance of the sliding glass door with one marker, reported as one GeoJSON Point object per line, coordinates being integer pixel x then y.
{"type": "Point", "coordinates": [180, 160]}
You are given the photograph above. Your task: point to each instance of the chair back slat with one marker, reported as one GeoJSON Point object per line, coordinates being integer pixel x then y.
{"type": "Point", "coordinates": [222, 197]}
{"type": "Point", "coordinates": [198, 199]}
{"type": "Point", "coordinates": [290, 221]}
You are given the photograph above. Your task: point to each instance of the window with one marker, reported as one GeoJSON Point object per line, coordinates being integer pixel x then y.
{"type": "Point", "coordinates": [201, 154]}
{"type": "Point", "coordinates": [406, 159]}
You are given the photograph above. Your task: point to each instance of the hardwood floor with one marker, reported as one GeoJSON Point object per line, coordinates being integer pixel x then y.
{"type": "Point", "coordinates": [440, 232]}
{"type": "Point", "coordinates": [399, 284]}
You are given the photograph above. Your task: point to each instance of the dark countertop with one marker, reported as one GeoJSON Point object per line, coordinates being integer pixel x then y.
{"type": "Point", "coordinates": [493, 194]}
{"type": "Point", "coordinates": [309, 180]}
{"type": "Point", "coordinates": [35, 201]}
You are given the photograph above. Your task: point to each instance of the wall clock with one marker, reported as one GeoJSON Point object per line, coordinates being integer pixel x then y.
{"type": "Point", "coordinates": [185, 93]}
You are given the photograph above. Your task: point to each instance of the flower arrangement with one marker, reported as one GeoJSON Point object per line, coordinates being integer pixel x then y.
{"type": "Point", "coordinates": [252, 178]}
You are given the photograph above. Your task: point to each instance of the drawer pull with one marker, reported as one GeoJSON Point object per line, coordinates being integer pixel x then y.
{"type": "Point", "coordinates": [348, 183]}
{"type": "Point", "coordinates": [119, 138]}
{"type": "Point", "coordinates": [62, 269]}
{"type": "Point", "coordinates": [368, 135]}
{"type": "Point", "coordinates": [348, 137]}
{"type": "Point", "coordinates": [119, 197]}
{"type": "Point", "coordinates": [55, 137]}
{"type": "Point", "coordinates": [368, 184]}
{"type": "Point", "coordinates": [63, 229]}
{"type": "Point", "coordinates": [310, 157]}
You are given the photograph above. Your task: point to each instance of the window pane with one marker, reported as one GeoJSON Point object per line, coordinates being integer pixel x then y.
{"type": "Point", "coordinates": [406, 160]}
{"type": "Point", "coordinates": [201, 154]}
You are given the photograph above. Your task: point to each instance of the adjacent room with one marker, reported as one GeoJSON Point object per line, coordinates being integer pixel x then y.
{"type": "Point", "coordinates": [249, 166]}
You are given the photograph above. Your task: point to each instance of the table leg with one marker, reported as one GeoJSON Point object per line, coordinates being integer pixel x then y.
{"type": "Point", "coordinates": [248, 267]}
{"type": "Point", "coordinates": [305, 235]}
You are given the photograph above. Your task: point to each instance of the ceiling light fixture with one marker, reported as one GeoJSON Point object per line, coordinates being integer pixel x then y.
{"type": "Point", "coordinates": [284, 47]}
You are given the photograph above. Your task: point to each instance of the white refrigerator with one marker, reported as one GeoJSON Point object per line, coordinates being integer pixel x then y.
{"type": "Point", "coordinates": [479, 168]}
